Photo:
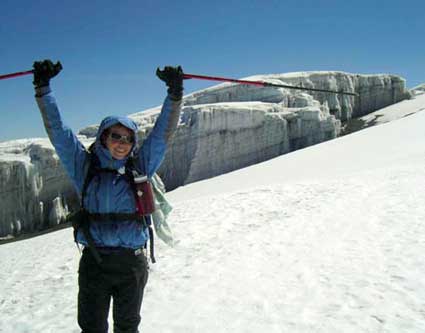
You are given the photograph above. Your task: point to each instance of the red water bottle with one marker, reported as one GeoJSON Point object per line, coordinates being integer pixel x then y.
{"type": "Point", "coordinates": [144, 195]}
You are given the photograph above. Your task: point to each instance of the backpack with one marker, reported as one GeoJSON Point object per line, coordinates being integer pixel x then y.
{"type": "Point", "coordinates": [143, 194]}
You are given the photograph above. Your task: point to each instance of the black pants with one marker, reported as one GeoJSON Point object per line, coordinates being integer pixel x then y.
{"type": "Point", "coordinates": [122, 276]}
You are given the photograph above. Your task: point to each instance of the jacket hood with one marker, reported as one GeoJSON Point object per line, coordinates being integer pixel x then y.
{"type": "Point", "coordinates": [105, 157]}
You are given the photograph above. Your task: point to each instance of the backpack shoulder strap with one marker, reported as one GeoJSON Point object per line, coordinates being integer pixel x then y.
{"type": "Point", "coordinates": [130, 173]}
{"type": "Point", "coordinates": [91, 169]}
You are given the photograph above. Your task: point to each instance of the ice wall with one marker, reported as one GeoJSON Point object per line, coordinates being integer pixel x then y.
{"type": "Point", "coordinates": [217, 138]}
{"type": "Point", "coordinates": [223, 128]}
{"type": "Point", "coordinates": [34, 189]}
{"type": "Point", "coordinates": [375, 91]}
{"type": "Point", "coordinates": [230, 126]}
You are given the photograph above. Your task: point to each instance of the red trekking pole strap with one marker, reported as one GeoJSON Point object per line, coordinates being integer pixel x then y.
{"type": "Point", "coordinates": [11, 75]}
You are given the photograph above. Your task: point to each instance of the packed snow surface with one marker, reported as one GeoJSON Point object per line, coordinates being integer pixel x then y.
{"type": "Point", "coordinates": [330, 238]}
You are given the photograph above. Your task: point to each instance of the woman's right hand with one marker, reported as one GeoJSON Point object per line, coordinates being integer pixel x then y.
{"type": "Point", "coordinates": [44, 71]}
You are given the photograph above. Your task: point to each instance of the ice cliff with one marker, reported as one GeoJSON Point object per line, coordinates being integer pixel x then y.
{"type": "Point", "coordinates": [222, 128]}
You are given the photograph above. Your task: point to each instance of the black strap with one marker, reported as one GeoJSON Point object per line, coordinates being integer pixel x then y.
{"type": "Point", "coordinates": [129, 167]}
{"type": "Point", "coordinates": [110, 217]}
{"type": "Point", "coordinates": [80, 221]}
{"type": "Point", "coordinates": [151, 244]}
{"type": "Point", "coordinates": [92, 165]}
{"type": "Point", "coordinates": [90, 242]}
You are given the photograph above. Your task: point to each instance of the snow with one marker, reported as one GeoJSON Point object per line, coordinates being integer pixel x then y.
{"type": "Point", "coordinates": [305, 242]}
{"type": "Point", "coordinates": [395, 111]}
{"type": "Point", "coordinates": [418, 90]}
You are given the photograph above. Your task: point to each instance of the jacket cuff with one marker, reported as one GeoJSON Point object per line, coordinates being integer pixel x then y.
{"type": "Point", "coordinates": [41, 91]}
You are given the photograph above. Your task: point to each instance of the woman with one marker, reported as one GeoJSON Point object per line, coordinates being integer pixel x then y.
{"type": "Point", "coordinates": [121, 271]}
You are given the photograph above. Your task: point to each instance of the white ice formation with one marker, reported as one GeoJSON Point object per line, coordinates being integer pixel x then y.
{"type": "Point", "coordinates": [418, 90]}
{"type": "Point", "coordinates": [223, 128]}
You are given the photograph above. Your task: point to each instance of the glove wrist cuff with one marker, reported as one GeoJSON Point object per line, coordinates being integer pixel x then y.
{"type": "Point", "coordinates": [41, 91]}
{"type": "Point", "coordinates": [175, 93]}
{"type": "Point", "coordinates": [41, 83]}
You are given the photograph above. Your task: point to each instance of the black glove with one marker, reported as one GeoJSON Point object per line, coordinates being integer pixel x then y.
{"type": "Point", "coordinates": [173, 78]}
{"type": "Point", "coordinates": [44, 71]}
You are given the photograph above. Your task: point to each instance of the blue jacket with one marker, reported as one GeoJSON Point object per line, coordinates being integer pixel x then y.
{"type": "Point", "coordinates": [109, 192]}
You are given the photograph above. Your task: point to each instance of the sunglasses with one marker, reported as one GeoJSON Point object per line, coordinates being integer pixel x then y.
{"type": "Point", "coordinates": [116, 137]}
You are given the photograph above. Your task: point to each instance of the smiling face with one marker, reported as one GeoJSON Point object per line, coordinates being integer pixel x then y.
{"type": "Point", "coordinates": [119, 141]}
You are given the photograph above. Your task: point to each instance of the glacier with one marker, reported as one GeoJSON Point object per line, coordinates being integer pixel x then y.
{"type": "Point", "coordinates": [222, 128]}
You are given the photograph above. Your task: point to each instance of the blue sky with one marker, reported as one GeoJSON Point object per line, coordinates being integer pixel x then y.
{"type": "Point", "coordinates": [111, 49]}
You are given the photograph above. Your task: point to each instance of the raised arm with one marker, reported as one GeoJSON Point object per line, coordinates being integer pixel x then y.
{"type": "Point", "coordinates": [70, 150]}
{"type": "Point", "coordinates": [153, 149]}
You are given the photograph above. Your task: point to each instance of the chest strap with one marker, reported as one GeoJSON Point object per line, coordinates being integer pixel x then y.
{"type": "Point", "coordinates": [110, 217]}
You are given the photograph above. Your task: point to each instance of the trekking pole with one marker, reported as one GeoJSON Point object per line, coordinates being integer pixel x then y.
{"type": "Point", "coordinates": [221, 79]}
{"type": "Point", "coordinates": [11, 75]}
{"type": "Point", "coordinates": [263, 84]}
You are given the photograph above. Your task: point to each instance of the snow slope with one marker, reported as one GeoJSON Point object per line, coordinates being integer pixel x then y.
{"type": "Point", "coordinates": [326, 239]}
{"type": "Point", "coordinates": [393, 112]}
